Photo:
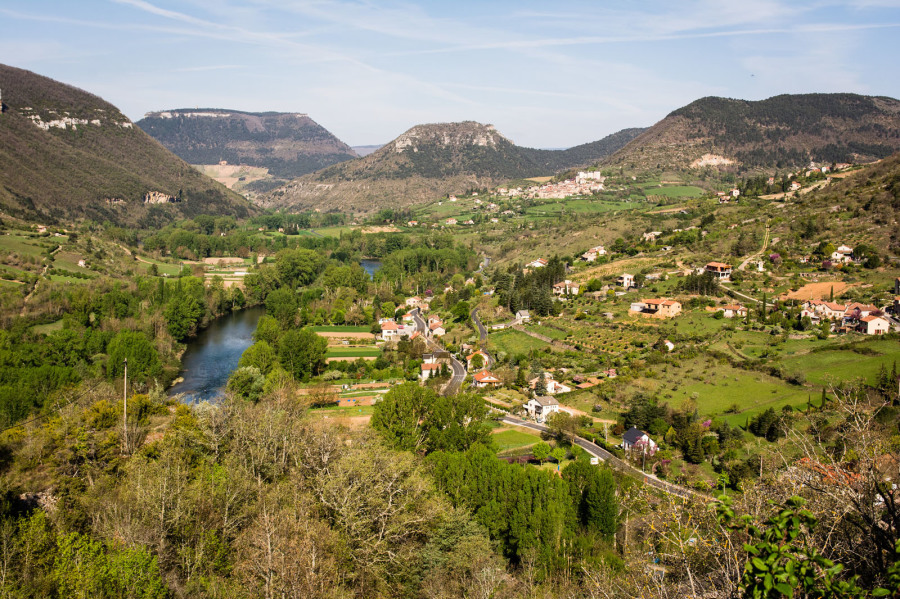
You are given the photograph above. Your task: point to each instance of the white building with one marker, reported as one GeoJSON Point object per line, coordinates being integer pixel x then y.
{"type": "Point", "coordinates": [541, 407]}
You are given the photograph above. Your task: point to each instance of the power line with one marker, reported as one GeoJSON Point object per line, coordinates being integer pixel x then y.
{"type": "Point", "coordinates": [51, 412]}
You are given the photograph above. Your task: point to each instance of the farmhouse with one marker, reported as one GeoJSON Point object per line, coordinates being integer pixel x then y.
{"type": "Point", "coordinates": [566, 287]}
{"type": "Point", "coordinates": [732, 310]}
{"type": "Point", "coordinates": [857, 310]}
{"type": "Point", "coordinates": [625, 280]}
{"type": "Point", "coordinates": [429, 370]}
{"type": "Point", "coordinates": [523, 316]}
{"type": "Point", "coordinates": [593, 253]}
{"type": "Point", "coordinates": [541, 407]}
{"type": "Point", "coordinates": [721, 270]}
{"type": "Point", "coordinates": [436, 329]}
{"type": "Point", "coordinates": [664, 308]}
{"type": "Point", "coordinates": [874, 325]}
{"type": "Point", "coordinates": [539, 263]}
{"type": "Point", "coordinates": [486, 379]}
{"type": "Point", "coordinates": [637, 441]}
{"type": "Point", "coordinates": [817, 309]}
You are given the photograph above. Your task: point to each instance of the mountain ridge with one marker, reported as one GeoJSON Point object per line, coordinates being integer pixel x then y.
{"type": "Point", "coordinates": [289, 144]}
{"type": "Point", "coordinates": [431, 160]}
{"type": "Point", "coordinates": [69, 154]}
{"type": "Point", "coordinates": [784, 131]}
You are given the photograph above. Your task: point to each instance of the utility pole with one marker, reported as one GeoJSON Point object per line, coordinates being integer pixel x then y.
{"type": "Point", "coordinates": [125, 407]}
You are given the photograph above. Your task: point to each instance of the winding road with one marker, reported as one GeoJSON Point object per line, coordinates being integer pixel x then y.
{"type": "Point", "coordinates": [614, 462]}
{"type": "Point", "coordinates": [482, 335]}
{"type": "Point", "coordinates": [459, 371]}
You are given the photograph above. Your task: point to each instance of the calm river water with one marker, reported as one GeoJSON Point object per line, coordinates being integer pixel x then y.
{"type": "Point", "coordinates": [212, 356]}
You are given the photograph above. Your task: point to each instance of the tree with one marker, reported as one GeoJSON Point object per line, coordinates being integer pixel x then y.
{"type": "Point", "coordinates": [477, 362]}
{"type": "Point", "coordinates": [298, 267]}
{"type": "Point", "coordinates": [457, 423]}
{"type": "Point", "coordinates": [562, 425]}
{"type": "Point", "coordinates": [268, 330]}
{"type": "Point", "coordinates": [400, 416]}
{"type": "Point", "coordinates": [247, 382]}
{"type": "Point", "coordinates": [302, 353]}
{"type": "Point", "coordinates": [541, 451]}
{"type": "Point", "coordinates": [260, 355]}
{"type": "Point", "coordinates": [143, 361]}
{"type": "Point", "coordinates": [558, 454]}
{"type": "Point", "coordinates": [282, 304]}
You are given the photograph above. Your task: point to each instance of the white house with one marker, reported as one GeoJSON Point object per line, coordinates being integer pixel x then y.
{"type": "Point", "coordinates": [539, 263]}
{"type": "Point", "coordinates": [721, 270]}
{"type": "Point", "coordinates": [732, 310]}
{"type": "Point", "coordinates": [390, 330]}
{"type": "Point", "coordinates": [541, 407]}
{"type": "Point", "coordinates": [874, 325]}
{"type": "Point", "coordinates": [429, 370]}
{"type": "Point", "coordinates": [625, 280]}
{"type": "Point", "coordinates": [566, 287]}
{"type": "Point", "coordinates": [593, 253]}
{"type": "Point", "coordinates": [486, 379]}
{"type": "Point", "coordinates": [523, 316]}
{"type": "Point", "coordinates": [637, 441]}
{"type": "Point", "coordinates": [437, 329]}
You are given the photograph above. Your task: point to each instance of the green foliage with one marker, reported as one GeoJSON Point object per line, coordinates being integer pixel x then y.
{"type": "Point", "coordinates": [247, 382]}
{"type": "Point", "coordinates": [282, 304]}
{"type": "Point", "coordinates": [767, 424]}
{"type": "Point", "coordinates": [85, 569]}
{"type": "Point", "coordinates": [593, 491]}
{"type": "Point", "coordinates": [302, 353]}
{"type": "Point", "coordinates": [260, 355]}
{"type": "Point", "coordinates": [541, 451]}
{"type": "Point", "coordinates": [143, 360]}
{"type": "Point", "coordinates": [415, 418]}
{"type": "Point", "coordinates": [781, 562]}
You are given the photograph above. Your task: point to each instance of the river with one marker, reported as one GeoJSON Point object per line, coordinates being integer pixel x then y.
{"type": "Point", "coordinates": [370, 266]}
{"type": "Point", "coordinates": [212, 356]}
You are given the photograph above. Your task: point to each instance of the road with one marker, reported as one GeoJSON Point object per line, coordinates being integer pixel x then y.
{"type": "Point", "coordinates": [483, 335]}
{"type": "Point", "coordinates": [614, 462]}
{"type": "Point", "coordinates": [758, 254]}
{"type": "Point", "coordinates": [459, 371]}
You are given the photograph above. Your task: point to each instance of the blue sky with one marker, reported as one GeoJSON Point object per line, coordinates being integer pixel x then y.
{"type": "Point", "coordinates": [546, 74]}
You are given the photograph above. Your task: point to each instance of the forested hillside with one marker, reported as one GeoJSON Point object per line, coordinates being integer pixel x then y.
{"type": "Point", "coordinates": [68, 155]}
{"type": "Point", "coordinates": [786, 131]}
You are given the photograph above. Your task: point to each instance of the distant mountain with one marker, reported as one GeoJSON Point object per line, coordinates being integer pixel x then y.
{"type": "Point", "coordinates": [66, 154]}
{"type": "Point", "coordinates": [363, 151]}
{"type": "Point", "coordinates": [288, 144]}
{"type": "Point", "coordinates": [782, 132]}
{"type": "Point", "coordinates": [429, 161]}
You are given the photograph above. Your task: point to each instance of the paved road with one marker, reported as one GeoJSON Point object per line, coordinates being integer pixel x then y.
{"type": "Point", "coordinates": [616, 463]}
{"type": "Point", "coordinates": [459, 371]}
{"type": "Point", "coordinates": [483, 335]}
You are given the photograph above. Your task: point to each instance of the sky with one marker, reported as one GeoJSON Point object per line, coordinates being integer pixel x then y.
{"type": "Point", "coordinates": [546, 74]}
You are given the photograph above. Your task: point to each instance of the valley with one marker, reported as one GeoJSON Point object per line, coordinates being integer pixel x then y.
{"type": "Point", "coordinates": [453, 366]}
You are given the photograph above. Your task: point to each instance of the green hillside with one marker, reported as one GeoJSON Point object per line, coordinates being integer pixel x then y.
{"type": "Point", "coordinates": [66, 154]}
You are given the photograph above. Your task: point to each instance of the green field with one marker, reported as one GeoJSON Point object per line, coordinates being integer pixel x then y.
{"type": "Point", "coordinates": [547, 331]}
{"type": "Point", "coordinates": [24, 245]}
{"type": "Point", "coordinates": [845, 364]}
{"type": "Point", "coordinates": [513, 439]}
{"type": "Point", "coordinates": [44, 329]}
{"type": "Point", "coordinates": [513, 342]}
{"type": "Point", "coordinates": [675, 191]}
{"type": "Point", "coordinates": [340, 329]}
{"type": "Point", "coordinates": [337, 411]}
{"type": "Point", "coordinates": [716, 387]}
{"type": "Point", "coordinates": [352, 352]}
{"type": "Point", "coordinates": [579, 206]}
